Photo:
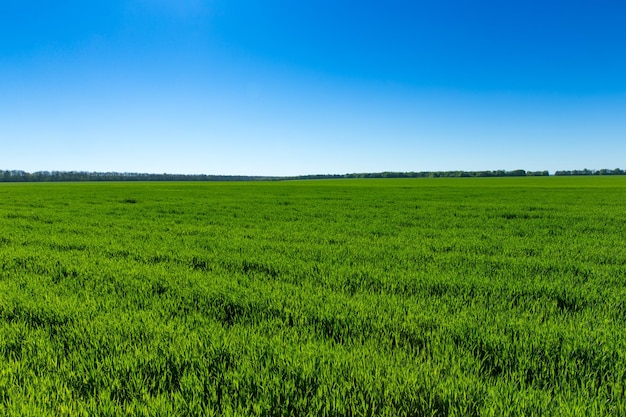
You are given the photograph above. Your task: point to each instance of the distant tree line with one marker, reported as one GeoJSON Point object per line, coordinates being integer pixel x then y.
{"type": "Point", "coordinates": [76, 176]}
{"type": "Point", "coordinates": [450, 174]}
{"type": "Point", "coordinates": [615, 171]}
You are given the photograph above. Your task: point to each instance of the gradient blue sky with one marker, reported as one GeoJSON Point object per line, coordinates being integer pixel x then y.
{"type": "Point", "coordinates": [327, 87]}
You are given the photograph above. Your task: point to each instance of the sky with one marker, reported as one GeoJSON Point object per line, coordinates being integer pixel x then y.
{"type": "Point", "coordinates": [327, 87]}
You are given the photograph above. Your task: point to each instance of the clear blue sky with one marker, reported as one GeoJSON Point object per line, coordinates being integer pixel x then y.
{"type": "Point", "coordinates": [292, 87]}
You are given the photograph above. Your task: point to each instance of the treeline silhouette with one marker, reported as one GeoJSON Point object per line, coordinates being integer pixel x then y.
{"type": "Point", "coordinates": [615, 171]}
{"type": "Point", "coordinates": [77, 176]}
{"type": "Point", "coordinates": [451, 174]}
{"type": "Point", "coordinates": [81, 176]}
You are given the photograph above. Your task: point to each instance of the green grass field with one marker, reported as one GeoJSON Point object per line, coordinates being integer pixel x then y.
{"type": "Point", "coordinates": [419, 297]}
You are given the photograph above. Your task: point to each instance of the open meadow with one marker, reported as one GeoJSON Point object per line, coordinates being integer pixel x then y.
{"type": "Point", "coordinates": [412, 297]}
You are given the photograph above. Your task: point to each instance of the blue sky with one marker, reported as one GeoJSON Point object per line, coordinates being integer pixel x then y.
{"type": "Point", "coordinates": [327, 87]}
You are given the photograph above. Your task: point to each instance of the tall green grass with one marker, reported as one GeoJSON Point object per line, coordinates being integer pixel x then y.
{"type": "Point", "coordinates": [442, 297]}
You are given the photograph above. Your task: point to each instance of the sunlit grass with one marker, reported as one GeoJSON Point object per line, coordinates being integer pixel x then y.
{"type": "Point", "coordinates": [483, 297]}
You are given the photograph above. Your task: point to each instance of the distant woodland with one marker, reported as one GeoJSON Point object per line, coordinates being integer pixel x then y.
{"type": "Point", "coordinates": [76, 176]}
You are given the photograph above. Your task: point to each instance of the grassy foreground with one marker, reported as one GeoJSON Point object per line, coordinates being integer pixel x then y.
{"type": "Point", "coordinates": [459, 297]}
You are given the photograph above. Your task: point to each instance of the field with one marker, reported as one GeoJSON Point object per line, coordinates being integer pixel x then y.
{"type": "Point", "coordinates": [415, 297]}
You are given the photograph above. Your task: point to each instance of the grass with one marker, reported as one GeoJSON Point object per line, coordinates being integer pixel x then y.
{"type": "Point", "coordinates": [417, 297]}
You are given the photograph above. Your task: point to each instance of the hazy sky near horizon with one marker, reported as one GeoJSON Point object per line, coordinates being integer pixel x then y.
{"type": "Point", "coordinates": [328, 87]}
